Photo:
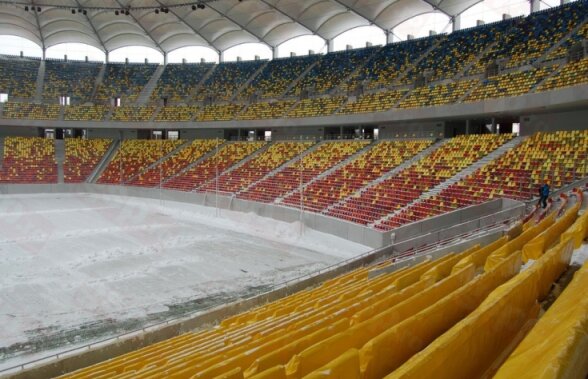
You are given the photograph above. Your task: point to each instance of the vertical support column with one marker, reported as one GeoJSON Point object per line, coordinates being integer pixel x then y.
{"type": "Point", "coordinates": [389, 36]}
{"type": "Point", "coordinates": [44, 52]}
{"type": "Point", "coordinates": [107, 56]}
{"type": "Point", "coordinates": [535, 5]}
{"type": "Point", "coordinates": [330, 45]}
{"type": "Point", "coordinates": [467, 131]}
{"type": "Point", "coordinates": [456, 23]}
{"type": "Point", "coordinates": [221, 56]}
{"type": "Point", "coordinates": [164, 59]}
{"type": "Point", "coordinates": [275, 52]}
{"type": "Point", "coordinates": [493, 125]}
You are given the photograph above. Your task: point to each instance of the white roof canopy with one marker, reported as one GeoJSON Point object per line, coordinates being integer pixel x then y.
{"type": "Point", "coordinates": [221, 25]}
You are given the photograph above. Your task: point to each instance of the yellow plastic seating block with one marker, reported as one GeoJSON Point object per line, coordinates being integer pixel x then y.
{"type": "Point", "coordinates": [327, 350]}
{"type": "Point", "coordinates": [281, 355]}
{"type": "Point", "coordinates": [345, 366]}
{"type": "Point", "coordinates": [558, 344]}
{"type": "Point", "coordinates": [517, 243]}
{"type": "Point", "coordinates": [471, 348]}
{"type": "Point", "coordinates": [537, 246]}
{"type": "Point", "coordinates": [277, 372]}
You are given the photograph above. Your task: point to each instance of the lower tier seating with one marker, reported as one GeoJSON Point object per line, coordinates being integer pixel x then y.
{"type": "Point", "coordinates": [81, 157]}
{"type": "Point", "coordinates": [302, 171]}
{"type": "Point", "coordinates": [134, 156]}
{"type": "Point", "coordinates": [227, 155]}
{"type": "Point", "coordinates": [401, 189]}
{"type": "Point", "coordinates": [28, 160]}
{"type": "Point", "coordinates": [557, 158]}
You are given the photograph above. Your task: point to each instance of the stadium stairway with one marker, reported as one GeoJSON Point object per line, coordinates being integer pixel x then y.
{"type": "Point", "coordinates": [40, 82]}
{"type": "Point", "coordinates": [237, 165]}
{"type": "Point", "coordinates": [196, 162]}
{"type": "Point", "coordinates": [160, 160]}
{"type": "Point", "coordinates": [328, 171]}
{"type": "Point", "coordinates": [146, 92]}
{"type": "Point", "coordinates": [409, 162]}
{"type": "Point", "coordinates": [563, 40]}
{"type": "Point", "coordinates": [414, 64]}
{"type": "Point", "coordinates": [93, 177]}
{"type": "Point", "coordinates": [60, 158]}
{"type": "Point", "coordinates": [248, 81]}
{"type": "Point", "coordinates": [198, 86]}
{"type": "Point", "coordinates": [298, 79]}
{"type": "Point", "coordinates": [99, 79]}
{"type": "Point", "coordinates": [281, 167]}
{"type": "Point", "coordinates": [337, 88]}
{"type": "Point", "coordinates": [513, 143]}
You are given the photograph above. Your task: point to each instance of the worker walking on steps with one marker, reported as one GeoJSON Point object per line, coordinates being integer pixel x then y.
{"type": "Point", "coordinates": [543, 194]}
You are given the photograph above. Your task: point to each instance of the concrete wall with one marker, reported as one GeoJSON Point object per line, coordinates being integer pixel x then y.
{"type": "Point", "coordinates": [410, 129]}
{"type": "Point", "coordinates": [571, 120]}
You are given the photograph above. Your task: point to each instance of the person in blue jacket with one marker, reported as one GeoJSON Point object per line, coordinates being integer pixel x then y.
{"type": "Point", "coordinates": [543, 194]}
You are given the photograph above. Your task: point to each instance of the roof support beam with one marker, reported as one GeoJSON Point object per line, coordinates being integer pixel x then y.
{"type": "Point", "coordinates": [144, 29]}
{"type": "Point", "coordinates": [244, 27]}
{"type": "Point", "coordinates": [314, 32]}
{"type": "Point", "coordinates": [197, 32]}
{"type": "Point", "coordinates": [362, 15]}
{"type": "Point", "coordinates": [39, 28]}
{"type": "Point", "coordinates": [95, 31]}
{"type": "Point", "coordinates": [436, 7]}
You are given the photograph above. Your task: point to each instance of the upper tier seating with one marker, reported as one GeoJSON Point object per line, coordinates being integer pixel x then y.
{"type": "Point", "coordinates": [332, 69]}
{"type": "Point", "coordinates": [401, 189]}
{"type": "Point", "coordinates": [543, 29]}
{"type": "Point", "coordinates": [264, 110]}
{"type": "Point", "coordinates": [562, 50]}
{"type": "Point", "coordinates": [134, 156]}
{"type": "Point", "coordinates": [28, 160]}
{"type": "Point", "coordinates": [257, 167]}
{"type": "Point", "coordinates": [456, 51]}
{"type": "Point", "coordinates": [73, 79]}
{"type": "Point", "coordinates": [559, 158]}
{"type": "Point", "coordinates": [570, 75]}
{"type": "Point", "coordinates": [381, 321]}
{"type": "Point", "coordinates": [373, 102]}
{"type": "Point", "coordinates": [124, 80]}
{"type": "Point", "coordinates": [391, 61]}
{"type": "Point", "coordinates": [226, 79]}
{"type": "Point", "coordinates": [511, 84]}
{"type": "Point", "coordinates": [18, 77]}
{"type": "Point", "coordinates": [175, 163]}
{"type": "Point", "coordinates": [302, 171]}
{"type": "Point", "coordinates": [81, 157]}
{"type": "Point", "coordinates": [320, 106]}
{"type": "Point", "coordinates": [381, 158]}
{"type": "Point", "coordinates": [125, 113]}
{"type": "Point", "coordinates": [177, 113]}
{"type": "Point", "coordinates": [85, 112]}
{"type": "Point", "coordinates": [227, 155]}
{"type": "Point", "coordinates": [277, 76]}
{"type": "Point", "coordinates": [31, 111]}
{"type": "Point", "coordinates": [222, 112]}
{"type": "Point", "coordinates": [427, 96]}
{"type": "Point", "coordinates": [177, 81]}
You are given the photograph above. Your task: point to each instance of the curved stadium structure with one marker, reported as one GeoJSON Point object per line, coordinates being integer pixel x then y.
{"type": "Point", "coordinates": [367, 213]}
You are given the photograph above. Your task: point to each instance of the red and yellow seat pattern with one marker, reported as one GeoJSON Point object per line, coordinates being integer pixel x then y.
{"type": "Point", "coordinates": [133, 156]}
{"type": "Point", "coordinates": [133, 113]}
{"type": "Point", "coordinates": [177, 113]}
{"type": "Point", "coordinates": [571, 74]}
{"type": "Point", "coordinates": [372, 164]}
{"type": "Point", "coordinates": [256, 168]}
{"type": "Point", "coordinates": [228, 155]}
{"type": "Point", "coordinates": [401, 189]}
{"type": "Point", "coordinates": [28, 160]}
{"type": "Point", "coordinates": [175, 163]}
{"type": "Point", "coordinates": [31, 111]}
{"type": "Point", "coordinates": [302, 171]}
{"type": "Point", "coordinates": [373, 102]}
{"type": "Point", "coordinates": [559, 158]}
{"type": "Point", "coordinates": [81, 157]}
{"type": "Point", "coordinates": [85, 112]}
